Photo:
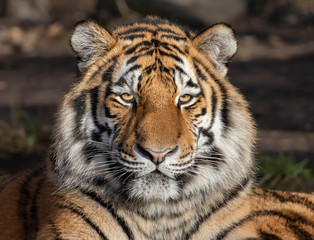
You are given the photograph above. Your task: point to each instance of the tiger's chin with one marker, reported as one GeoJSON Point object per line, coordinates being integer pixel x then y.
{"type": "Point", "coordinates": [154, 187]}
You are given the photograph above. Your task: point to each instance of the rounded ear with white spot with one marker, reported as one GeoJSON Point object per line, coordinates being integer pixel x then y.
{"type": "Point", "coordinates": [90, 41]}
{"type": "Point", "coordinates": [219, 44]}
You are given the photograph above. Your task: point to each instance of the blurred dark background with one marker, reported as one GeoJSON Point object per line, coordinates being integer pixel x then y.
{"type": "Point", "coordinates": [274, 69]}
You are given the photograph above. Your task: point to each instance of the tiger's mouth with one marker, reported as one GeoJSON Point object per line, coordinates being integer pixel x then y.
{"type": "Point", "coordinates": [157, 174]}
{"type": "Point", "coordinates": [141, 178]}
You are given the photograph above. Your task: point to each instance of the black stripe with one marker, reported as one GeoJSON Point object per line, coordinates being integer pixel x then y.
{"type": "Point", "coordinates": [148, 53]}
{"type": "Point", "coordinates": [119, 103]}
{"type": "Point", "coordinates": [99, 181]}
{"type": "Point", "coordinates": [268, 236]}
{"type": "Point", "coordinates": [24, 200]}
{"type": "Point", "coordinates": [225, 105]}
{"type": "Point", "coordinates": [214, 158]}
{"type": "Point", "coordinates": [85, 218]}
{"type": "Point", "coordinates": [164, 69]}
{"type": "Point", "coordinates": [79, 105]}
{"type": "Point", "coordinates": [34, 209]}
{"type": "Point", "coordinates": [147, 29]}
{"type": "Point", "coordinates": [140, 54]}
{"type": "Point", "coordinates": [89, 151]}
{"type": "Point", "coordinates": [53, 160]}
{"type": "Point", "coordinates": [192, 106]}
{"type": "Point", "coordinates": [210, 137]}
{"type": "Point", "coordinates": [100, 68]}
{"type": "Point", "coordinates": [136, 29]}
{"type": "Point", "coordinates": [121, 106]}
{"type": "Point", "coordinates": [202, 113]}
{"type": "Point", "coordinates": [55, 230]}
{"type": "Point", "coordinates": [167, 30]}
{"type": "Point", "coordinates": [94, 104]}
{"type": "Point", "coordinates": [290, 221]}
{"type": "Point", "coordinates": [133, 36]}
{"type": "Point", "coordinates": [183, 180]}
{"type": "Point", "coordinates": [134, 67]}
{"type": "Point", "coordinates": [199, 73]}
{"type": "Point", "coordinates": [167, 45]}
{"type": "Point", "coordinates": [144, 51]}
{"type": "Point", "coordinates": [180, 69]}
{"type": "Point", "coordinates": [121, 82]}
{"type": "Point", "coordinates": [123, 224]}
{"type": "Point", "coordinates": [225, 108]}
{"type": "Point", "coordinates": [234, 193]}
{"type": "Point", "coordinates": [214, 106]}
{"type": "Point", "coordinates": [217, 156]}
{"type": "Point", "coordinates": [107, 75]}
{"type": "Point", "coordinates": [156, 43]}
{"type": "Point", "coordinates": [133, 49]}
{"type": "Point", "coordinates": [108, 113]}
{"type": "Point", "coordinates": [291, 198]}
{"type": "Point", "coordinates": [118, 106]}
{"type": "Point", "coordinates": [133, 59]}
{"type": "Point", "coordinates": [138, 88]}
{"type": "Point", "coordinates": [191, 84]}
{"type": "Point", "coordinates": [174, 37]}
{"type": "Point", "coordinates": [149, 69]}
{"type": "Point", "coordinates": [162, 53]}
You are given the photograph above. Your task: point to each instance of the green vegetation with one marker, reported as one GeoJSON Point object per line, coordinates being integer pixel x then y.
{"type": "Point", "coordinates": [281, 168]}
{"type": "Point", "coordinates": [20, 134]}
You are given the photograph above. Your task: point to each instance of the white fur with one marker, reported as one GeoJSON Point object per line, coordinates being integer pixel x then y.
{"type": "Point", "coordinates": [219, 44]}
{"type": "Point", "coordinates": [90, 42]}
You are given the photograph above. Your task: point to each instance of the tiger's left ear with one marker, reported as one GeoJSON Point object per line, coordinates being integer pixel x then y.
{"type": "Point", "coordinates": [219, 44]}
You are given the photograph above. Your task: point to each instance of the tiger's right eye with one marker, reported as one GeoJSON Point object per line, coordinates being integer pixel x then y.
{"type": "Point", "coordinates": [185, 98]}
{"type": "Point", "coordinates": [127, 97]}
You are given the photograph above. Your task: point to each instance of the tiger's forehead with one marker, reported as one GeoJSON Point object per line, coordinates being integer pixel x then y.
{"type": "Point", "coordinates": [154, 60]}
{"type": "Point", "coordinates": [152, 27]}
{"type": "Point", "coordinates": [153, 48]}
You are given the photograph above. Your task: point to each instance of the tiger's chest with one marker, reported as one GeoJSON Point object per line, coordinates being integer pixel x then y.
{"type": "Point", "coordinates": [86, 216]}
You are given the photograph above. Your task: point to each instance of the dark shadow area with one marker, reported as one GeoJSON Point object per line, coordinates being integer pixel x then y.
{"type": "Point", "coordinates": [281, 92]}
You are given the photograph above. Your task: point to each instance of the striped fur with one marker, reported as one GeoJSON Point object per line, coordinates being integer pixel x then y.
{"type": "Point", "coordinates": [151, 88]}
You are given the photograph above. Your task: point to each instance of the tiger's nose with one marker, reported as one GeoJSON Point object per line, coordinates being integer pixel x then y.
{"type": "Point", "coordinates": [154, 156]}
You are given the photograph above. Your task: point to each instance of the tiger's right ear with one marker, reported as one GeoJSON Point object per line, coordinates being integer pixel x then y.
{"type": "Point", "coordinates": [90, 41]}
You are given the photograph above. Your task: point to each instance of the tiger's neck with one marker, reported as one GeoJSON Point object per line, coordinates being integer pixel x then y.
{"type": "Point", "coordinates": [183, 217]}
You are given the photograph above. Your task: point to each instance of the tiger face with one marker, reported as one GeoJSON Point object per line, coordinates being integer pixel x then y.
{"type": "Point", "coordinates": [157, 110]}
{"type": "Point", "coordinates": [150, 119]}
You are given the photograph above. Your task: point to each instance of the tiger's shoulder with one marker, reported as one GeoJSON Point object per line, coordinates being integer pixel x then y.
{"type": "Point", "coordinates": [282, 215]}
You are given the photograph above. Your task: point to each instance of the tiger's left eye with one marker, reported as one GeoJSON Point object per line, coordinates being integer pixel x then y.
{"type": "Point", "coordinates": [185, 98]}
{"type": "Point", "coordinates": [127, 97]}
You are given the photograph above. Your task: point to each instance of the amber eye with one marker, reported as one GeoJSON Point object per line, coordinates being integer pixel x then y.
{"type": "Point", "coordinates": [127, 97]}
{"type": "Point", "coordinates": [185, 98]}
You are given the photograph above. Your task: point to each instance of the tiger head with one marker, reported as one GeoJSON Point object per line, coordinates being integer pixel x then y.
{"type": "Point", "coordinates": [153, 117]}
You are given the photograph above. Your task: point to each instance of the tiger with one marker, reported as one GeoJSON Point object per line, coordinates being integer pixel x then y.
{"type": "Point", "coordinates": [152, 143]}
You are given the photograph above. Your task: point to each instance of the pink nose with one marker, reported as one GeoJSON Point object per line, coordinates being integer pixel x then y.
{"type": "Point", "coordinates": [158, 157]}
